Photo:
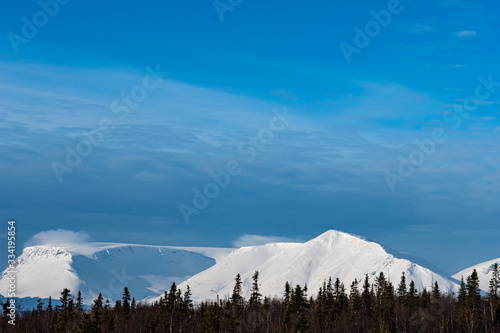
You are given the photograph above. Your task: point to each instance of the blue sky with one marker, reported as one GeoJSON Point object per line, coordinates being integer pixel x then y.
{"type": "Point", "coordinates": [205, 88]}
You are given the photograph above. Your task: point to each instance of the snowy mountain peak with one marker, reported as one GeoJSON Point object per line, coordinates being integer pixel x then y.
{"type": "Point", "coordinates": [36, 251]}
{"type": "Point", "coordinates": [150, 270]}
{"type": "Point", "coordinates": [333, 254]}
{"type": "Point", "coordinates": [334, 238]}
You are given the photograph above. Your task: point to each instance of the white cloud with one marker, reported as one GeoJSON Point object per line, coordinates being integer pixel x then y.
{"type": "Point", "coordinates": [58, 237]}
{"type": "Point", "coordinates": [466, 33]}
{"type": "Point", "coordinates": [421, 27]}
{"type": "Point", "coordinates": [252, 240]}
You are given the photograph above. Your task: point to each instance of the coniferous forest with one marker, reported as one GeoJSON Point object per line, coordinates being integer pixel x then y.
{"type": "Point", "coordinates": [377, 307]}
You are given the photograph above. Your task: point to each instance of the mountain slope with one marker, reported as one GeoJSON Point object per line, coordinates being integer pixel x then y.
{"type": "Point", "coordinates": [148, 271]}
{"type": "Point", "coordinates": [44, 271]}
{"type": "Point", "coordinates": [483, 271]}
{"type": "Point", "coordinates": [332, 254]}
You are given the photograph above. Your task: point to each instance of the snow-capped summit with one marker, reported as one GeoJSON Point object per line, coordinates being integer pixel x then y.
{"type": "Point", "coordinates": [150, 270]}
{"type": "Point", "coordinates": [332, 254]}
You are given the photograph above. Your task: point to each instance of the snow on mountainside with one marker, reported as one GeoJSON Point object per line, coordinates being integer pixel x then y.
{"type": "Point", "coordinates": [332, 254]}
{"type": "Point", "coordinates": [483, 271]}
{"type": "Point", "coordinates": [150, 270]}
{"type": "Point", "coordinates": [44, 271]}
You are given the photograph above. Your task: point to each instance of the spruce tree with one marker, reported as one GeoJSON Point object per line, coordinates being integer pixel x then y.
{"type": "Point", "coordinates": [237, 296]}
{"type": "Point", "coordinates": [366, 296]}
{"type": "Point", "coordinates": [412, 295]}
{"type": "Point", "coordinates": [402, 292]}
{"type": "Point", "coordinates": [495, 294]}
{"type": "Point", "coordinates": [211, 320]}
{"type": "Point", "coordinates": [39, 305]}
{"type": "Point", "coordinates": [425, 298]}
{"type": "Point", "coordinates": [49, 305]}
{"type": "Point", "coordinates": [473, 291]}
{"type": "Point", "coordinates": [125, 303]}
{"type": "Point", "coordinates": [462, 294]}
{"type": "Point", "coordinates": [71, 308]}
{"type": "Point", "coordinates": [436, 293]}
{"type": "Point", "coordinates": [85, 325]}
{"type": "Point", "coordinates": [188, 303]}
{"type": "Point", "coordinates": [79, 302]}
{"type": "Point", "coordinates": [65, 302]}
{"type": "Point", "coordinates": [171, 297]}
{"type": "Point", "coordinates": [473, 302]}
{"type": "Point", "coordinates": [354, 296]}
{"type": "Point", "coordinates": [287, 293]}
{"type": "Point", "coordinates": [320, 310]}
{"type": "Point", "coordinates": [255, 296]}
{"type": "Point", "coordinates": [287, 299]}
{"type": "Point", "coordinates": [97, 310]}
{"type": "Point", "coordinates": [237, 301]}
{"type": "Point", "coordinates": [380, 288]}
{"type": "Point", "coordinates": [301, 325]}
{"type": "Point", "coordinates": [495, 283]}
{"type": "Point", "coordinates": [107, 314]}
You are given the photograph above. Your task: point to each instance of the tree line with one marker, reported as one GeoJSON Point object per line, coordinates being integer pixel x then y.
{"type": "Point", "coordinates": [367, 307]}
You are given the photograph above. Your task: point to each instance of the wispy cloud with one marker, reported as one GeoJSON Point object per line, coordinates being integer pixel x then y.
{"type": "Point", "coordinates": [58, 237]}
{"type": "Point", "coordinates": [466, 33]}
{"type": "Point", "coordinates": [252, 240]}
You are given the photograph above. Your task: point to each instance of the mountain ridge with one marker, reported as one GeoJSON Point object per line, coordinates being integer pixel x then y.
{"type": "Point", "coordinates": [148, 270]}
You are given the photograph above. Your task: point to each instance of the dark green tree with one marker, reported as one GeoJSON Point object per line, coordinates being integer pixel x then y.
{"type": "Point", "coordinates": [188, 303]}
{"type": "Point", "coordinates": [39, 305]}
{"type": "Point", "coordinates": [354, 296]}
{"type": "Point", "coordinates": [402, 289]}
{"type": "Point", "coordinates": [287, 293]}
{"type": "Point", "coordinates": [366, 296]}
{"type": "Point", "coordinates": [97, 310]}
{"type": "Point", "coordinates": [65, 305]}
{"type": "Point", "coordinates": [425, 298]}
{"type": "Point", "coordinates": [494, 298]}
{"type": "Point", "coordinates": [436, 293]}
{"type": "Point", "coordinates": [473, 303]}
{"type": "Point", "coordinates": [237, 296]}
{"type": "Point", "coordinates": [125, 310]}
{"type": "Point", "coordinates": [462, 294]}
{"type": "Point", "coordinates": [301, 325]}
{"type": "Point", "coordinates": [49, 305]}
{"type": "Point", "coordinates": [211, 321]}
{"type": "Point", "coordinates": [236, 303]}
{"type": "Point", "coordinates": [473, 291]}
{"type": "Point", "coordinates": [495, 282]}
{"type": "Point", "coordinates": [412, 297]}
{"type": "Point", "coordinates": [255, 296]}
{"type": "Point", "coordinates": [85, 325]}
{"type": "Point", "coordinates": [79, 303]}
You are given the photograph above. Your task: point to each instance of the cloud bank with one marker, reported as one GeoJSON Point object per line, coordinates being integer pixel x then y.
{"type": "Point", "coordinates": [58, 237]}
{"type": "Point", "coordinates": [253, 240]}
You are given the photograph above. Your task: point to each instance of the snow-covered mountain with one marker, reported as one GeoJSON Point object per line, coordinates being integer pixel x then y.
{"type": "Point", "coordinates": [332, 254]}
{"type": "Point", "coordinates": [483, 271]}
{"type": "Point", "coordinates": [148, 271]}
{"type": "Point", "coordinates": [44, 271]}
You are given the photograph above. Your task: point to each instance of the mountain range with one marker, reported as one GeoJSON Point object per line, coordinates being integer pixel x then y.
{"type": "Point", "coordinates": [148, 270]}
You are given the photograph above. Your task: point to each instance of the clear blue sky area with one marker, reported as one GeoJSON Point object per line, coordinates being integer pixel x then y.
{"type": "Point", "coordinates": [198, 122]}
